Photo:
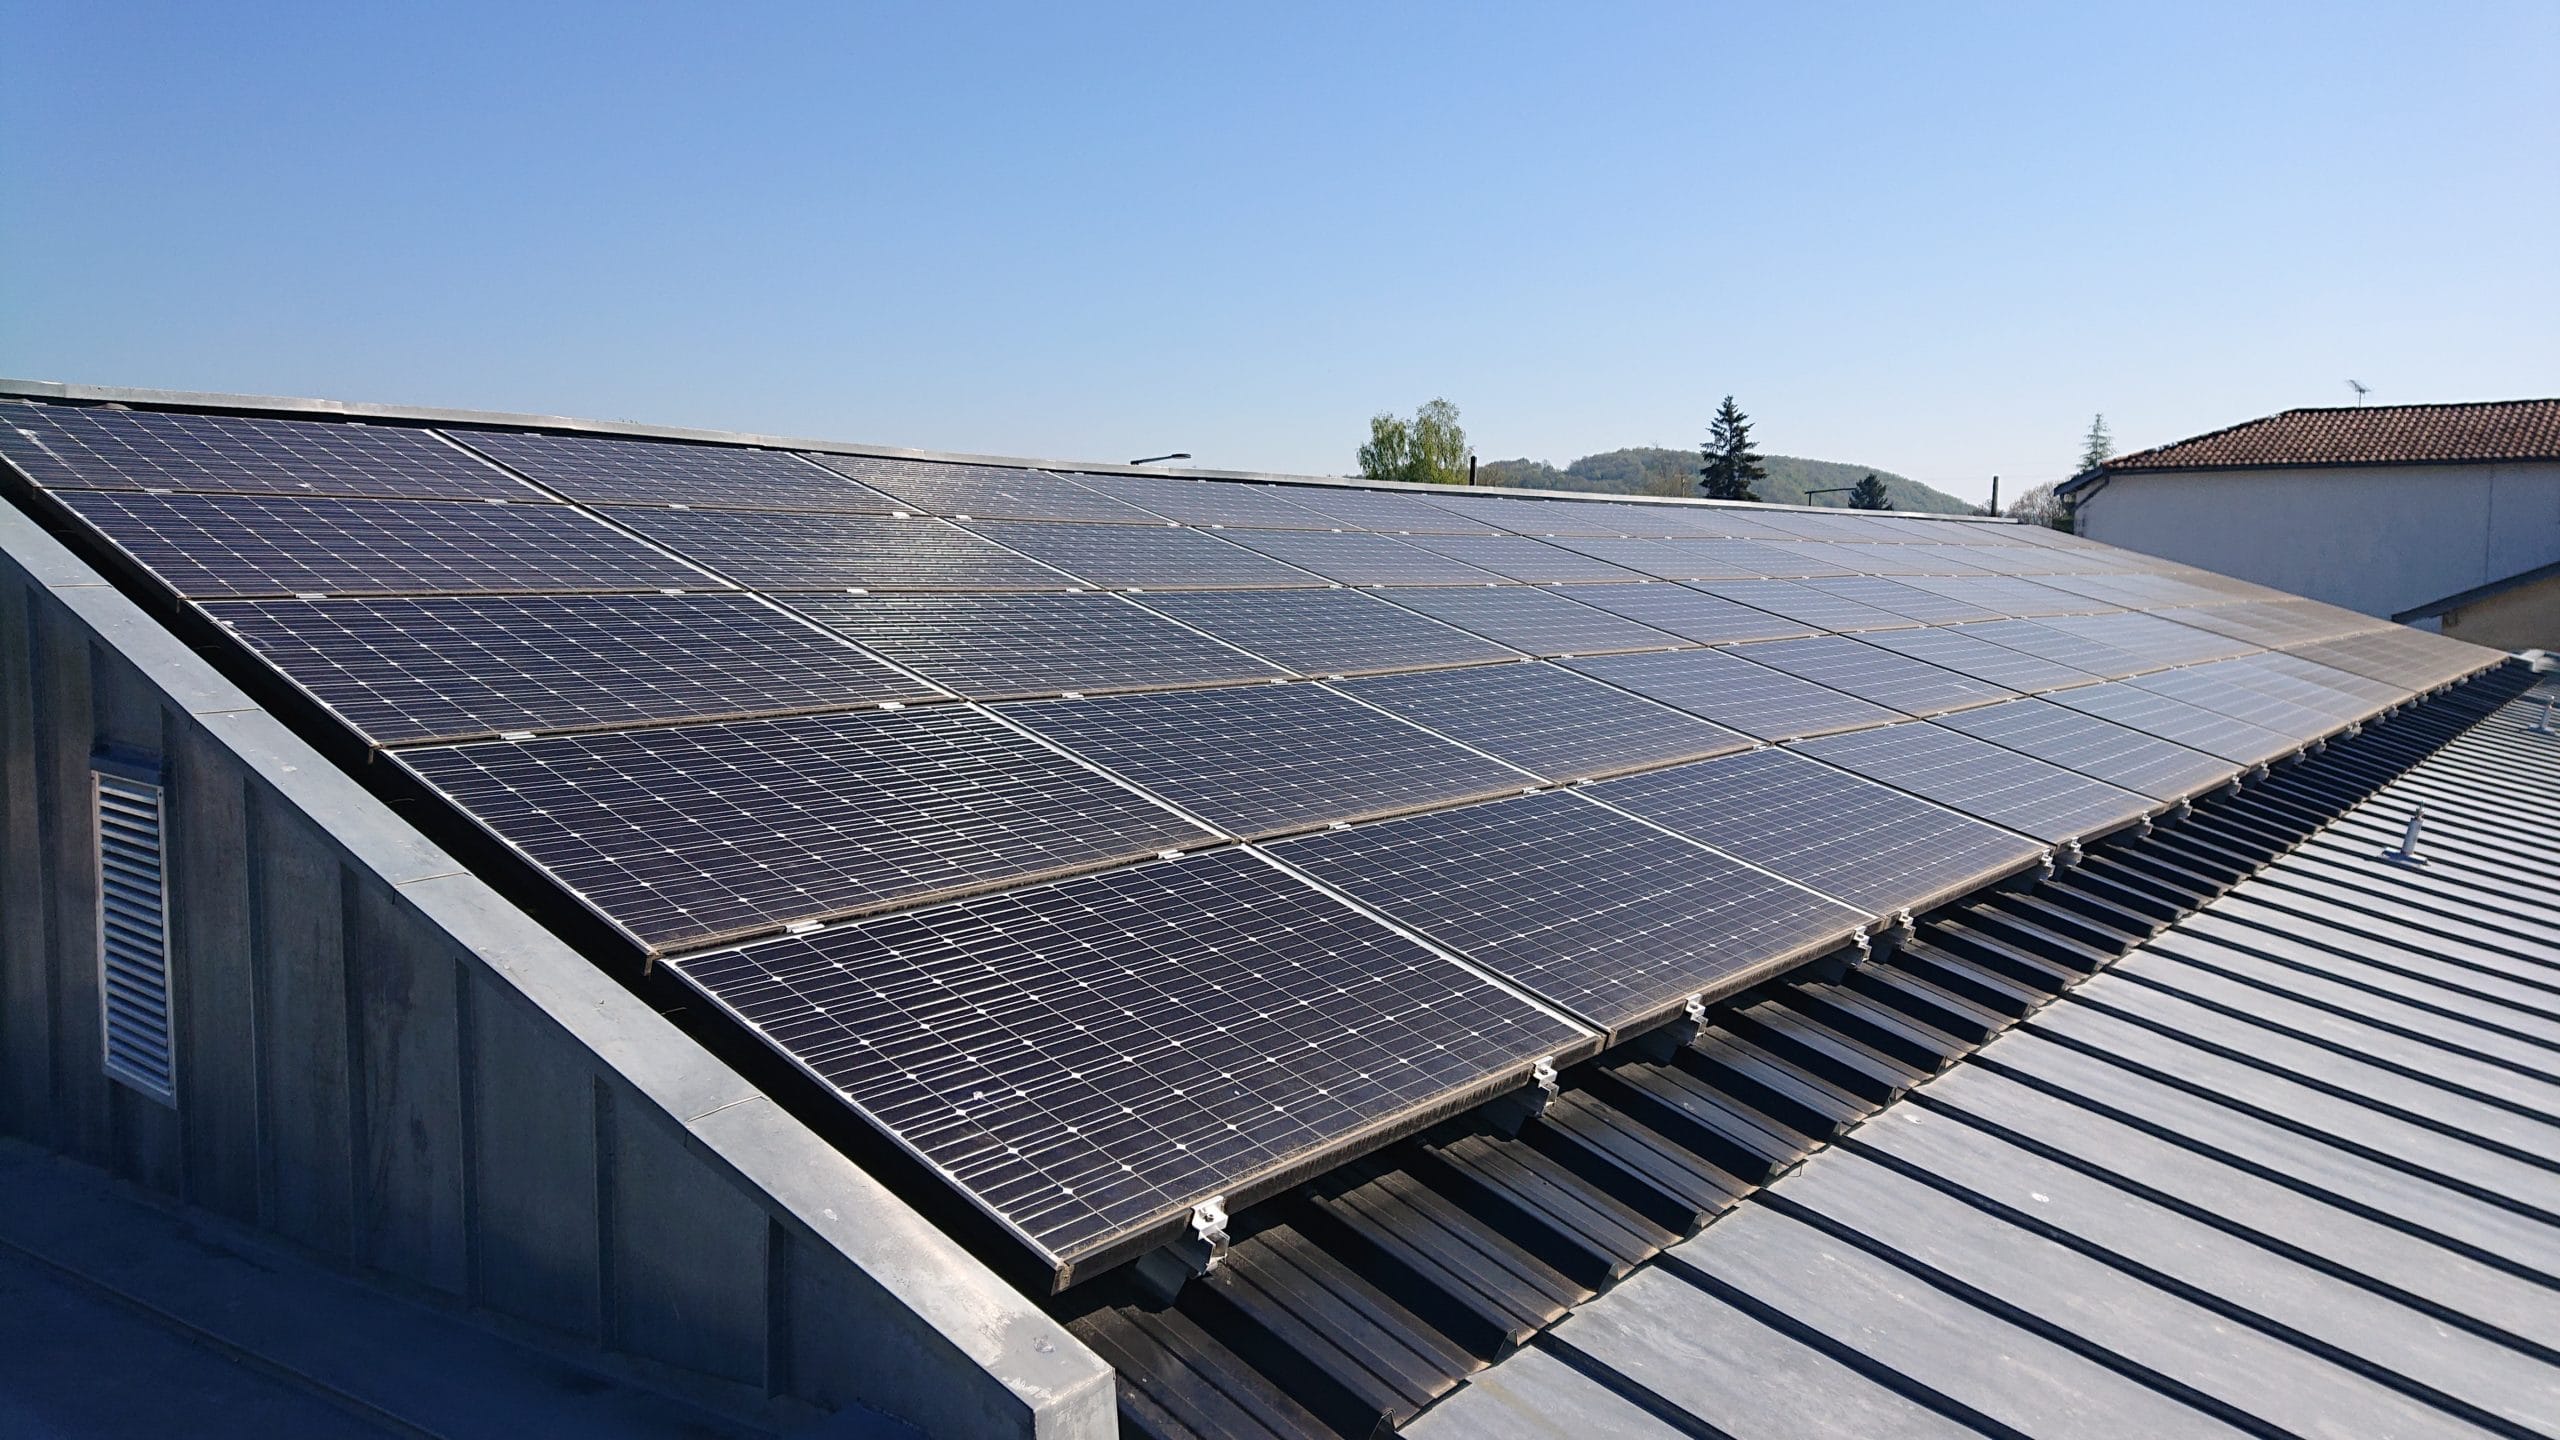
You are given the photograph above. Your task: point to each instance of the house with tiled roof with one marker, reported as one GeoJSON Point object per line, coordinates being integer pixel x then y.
{"type": "Point", "coordinates": [2441, 516]}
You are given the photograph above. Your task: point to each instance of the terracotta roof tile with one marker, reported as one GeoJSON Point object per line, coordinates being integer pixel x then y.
{"type": "Point", "coordinates": [2368, 435]}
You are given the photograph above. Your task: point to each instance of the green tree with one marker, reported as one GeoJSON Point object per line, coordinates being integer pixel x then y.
{"type": "Point", "coordinates": [1868, 494]}
{"type": "Point", "coordinates": [1429, 449]}
{"type": "Point", "coordinates": [2097, 447]}
{"type": "Point", "coordinates": [1731, 464]}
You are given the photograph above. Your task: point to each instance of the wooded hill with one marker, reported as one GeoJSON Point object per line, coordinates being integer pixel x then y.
{"type": "Point", "coordinates": [1650, 470]}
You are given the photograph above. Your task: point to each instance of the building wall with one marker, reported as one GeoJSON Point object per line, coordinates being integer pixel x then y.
{"type": "Point", "coordinates": [2381, 540]}
{"type": "Point", "coordinates": [2525, 618]}
{"type": "Point", "coordinates": [381, 1060]}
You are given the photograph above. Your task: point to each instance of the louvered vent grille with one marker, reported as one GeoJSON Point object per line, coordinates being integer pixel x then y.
{"type": "Point", "coordinates": [133, 937]}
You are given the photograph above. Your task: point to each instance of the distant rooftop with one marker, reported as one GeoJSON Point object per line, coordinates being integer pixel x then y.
{"type": "Point", "coordinates": [2502, 430]}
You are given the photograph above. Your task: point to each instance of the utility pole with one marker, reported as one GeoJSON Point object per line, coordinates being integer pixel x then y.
{"type": "Point", "coordinates": [1471, 469]}
{"type": "Point", "coordinates": [1995, 497]}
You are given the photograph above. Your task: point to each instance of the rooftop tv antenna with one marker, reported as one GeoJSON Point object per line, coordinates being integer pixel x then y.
{"type": "Point", "coordinates": [2361, 389]}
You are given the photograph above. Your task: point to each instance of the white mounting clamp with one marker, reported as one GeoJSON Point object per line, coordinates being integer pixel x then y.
{"type": "Point", "coordinates": [2070, 854]}
{"type": "Point", "coordinates": [1528, 1102]}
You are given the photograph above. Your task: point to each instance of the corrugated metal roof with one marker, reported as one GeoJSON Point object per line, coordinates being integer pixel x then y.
{"type": "Point", "coordinates": [2290, 1167]}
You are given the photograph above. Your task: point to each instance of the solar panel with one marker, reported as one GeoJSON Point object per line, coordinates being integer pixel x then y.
{"type": "Point", "coordinates": [1909, 601]}
{"type": "Point", "coordinates": [2175, 720]}
{"type": "Point", "coordinates": [771, 550]}
{"type": "Point", "coordinates": [1603, 915]}
{"type": "Point", "coordinates": [2274, 676]}
{"type": "Point", "coordinates": [1799, 601]}
{"type": "Point", "coordinates": [2034, 637]}
{"type": "Point", "coordinates": [2099, 749]}
{"type": "Point", "coordinates": [1523, 516]}
{"type": "Point", "coordinates": [1267, 759]}
{"type": "Point", "coordinates": [1385, 512]}
{"type": "Point", "coordinates": [1354, 558]}
{"type": "Point", "coordinates": [1517, 557]}
{"type": "Point", "coordinates": [79, 447]}
{"type": "Point", "coordinates": [1537, 622]}
{"type": "Point", "coordinates": [984, 492]}
{"type": "Point", "coordinates": [1955, 650]}
{"type": "Point", "coordinates": [2400, 656]}
{"type": "Point", "coordinates": [1208, 502]}
{"type": "Point", "coordinates": [1088, 1058]}
{"type": "Point", "coordinates": [2206, 688]}
{"type": "Point", "coordinates": [1853, 667]}
{"type": "Point", "coordinates": [1710, 521]}
{"type": "Point", "coordinates": [2010, 596]}
{"type": "Point", "coordinates": [2278, 622]}
{"type": "Point", "coordinates": [1004, 647]}
{"type": "Point", "coordinates": [2371, 694]}
{"type": "Point", "coordinates": [1557, 724]}
{"type": "Point", "coordinates": [1946, 560]}
{"type": "Point", "coordinates": [1152, 557]}
{"type": "Point", "coordinates": [1781, 559]}
{"type": "Point", "coordinates": [596, 468]}
{"type": "Point", "coordinates": [1327, 632]}
{"type": "Point", "coordinates": [1753, 699]}
{"type": "Point", "coordinates": [1661, 559]}
{"type": "Point", "coordinates": [452, 667]}
{"type": "Point", "coordinates": [1806, 526]}
{"type": "Point", "coordinates": [1850, 838]}
{"type": "Point", "coordinates": [688, 835]}
{"type": "Point", "coordinates": [1982, 780]}
{"type": "Point", "coordinates": [214, 545]}
{"type": "Point", "coordinates": [2151, 637]}
{"type": "Point", "coordinates": [1689, 614]}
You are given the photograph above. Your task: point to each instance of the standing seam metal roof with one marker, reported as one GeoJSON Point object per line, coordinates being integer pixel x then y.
{"type": "Point", "coordinates": [2287, 1168]}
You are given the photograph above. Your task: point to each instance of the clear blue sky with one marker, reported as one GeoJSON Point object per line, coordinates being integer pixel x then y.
{"type": "Point", "coordinates": [1930, 238]}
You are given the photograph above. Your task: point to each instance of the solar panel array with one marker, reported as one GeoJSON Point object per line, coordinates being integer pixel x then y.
{"type": "Point", "coordinates": [1112, 841]}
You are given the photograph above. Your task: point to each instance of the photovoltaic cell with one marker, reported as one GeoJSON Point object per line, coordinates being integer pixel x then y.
{"type": "Point", "coordinates": [2175, 720]}
{"type": "Point", "coordinates": [1151, 557]}
{"type": "Point", "coordinates": [1780, 559]}
{"type": "Point", "coordinates": [2008, 595]}
{"type": "Point", "coordinates": [1909, 601]}
{"type": "Point", "coordinates": [80, 447]}
{"type": "Point", "coordinates": [451, 667]}
{"type": "Point", "coordinates": [1266, 759]}
{"type": "Point", "coordinates": [1799, 601]}
{"type": "Point", "coordinates": [1850, 838]}
{"type": "Point", "coordinates": [1355, 558]}
{"type": "Point", "coordinates": [596, 468]}
{"type": "Point", "coordinates": [1518, 557]}
{"type": "Point", "coordinates": [1853, 667]}
{"type": "Point", "coordinates": [2401, 656]}
{"type": "Point", "coordinates": [2099, 749]}
{"type": "Point", "coordinates": [2224, 695]}
{"type": "Point", "coordinates": [1754, 699]}
{"type": "Point", "coordinates": [1004, 647]}
{"type": "Point", "coordinates": [1089, 1057]}
{"type": "Point", "coordinates": [215, 545]}
{"type": "Point", "coordinates": [2278, 622]}
{"type": "Point", "coordinates": [2151, 637]}
{"type": "Point", "coordinates": [1690, 614]}
{"type": "Point", "coordinates": [2371, 694]}
{"type": "Point", "coordinates": [1982, 780]}
{"type": "Point", "coordinates": [771, 550]}
{"type": "Point", "coordinates": [689, 835]}
{"type": "Point", "coordinates": [1537, 622]}
{"type": "Point", "coordinates": [1605, 916]}
{"type": "Point", "coordinates": [1384, 512]}
{"type": "Point", "coordinates": [1955, 650]}
{"type": "Point", "coordinates": [2274, 676]}
{"type": "Point", "coordinates": [1326, 632]}
{"type": "Point", "coordinates": [2035, 637]}
{"type": "Point", "coordinates": [983, 492]}
{"type": "Point", "coordinates": [1210, 502]}
{"type": "Point", "coordinates": [1661, 559]}
{"type": "Point", "coordinates": [1523, 516]}
{"type": "Point", "coordinates": [1558, 724]}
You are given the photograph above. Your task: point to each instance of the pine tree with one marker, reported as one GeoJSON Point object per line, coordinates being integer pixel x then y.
{"type": "Point", "coordinates": [1868, 494]}
{"type": "Point", "coordinates": [2097, 447]}
{"type": "Point", "coordinates": [1731, 464]}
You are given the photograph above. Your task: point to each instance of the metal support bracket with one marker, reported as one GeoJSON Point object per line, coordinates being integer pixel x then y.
{"type": "Point", "coordinates": [2408, 854]}
{"type": "Point", "coordinates": [1163, 1271]}
{"type": "Point", "coordinates": [1664, 1041]}
{"type": "Point", "coordinates": [1527, 1103]}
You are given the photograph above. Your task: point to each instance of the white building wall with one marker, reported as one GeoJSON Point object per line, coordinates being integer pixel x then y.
{"type": "Point", "coordinates": [2380, 539]}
